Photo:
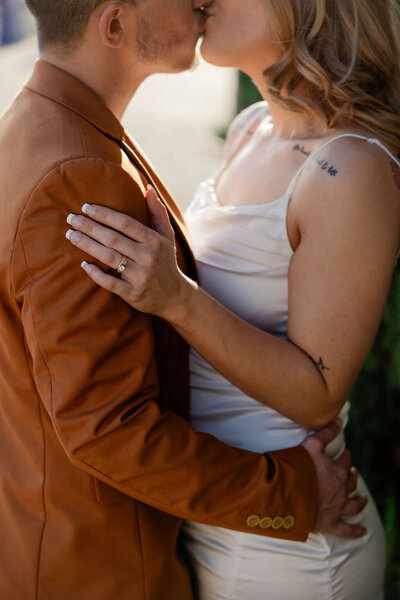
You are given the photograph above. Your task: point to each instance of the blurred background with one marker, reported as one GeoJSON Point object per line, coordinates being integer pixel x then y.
{"type": "Point", "coordinates": [174, 118]}
{"type": "Point", "coordinates": [180, 120]}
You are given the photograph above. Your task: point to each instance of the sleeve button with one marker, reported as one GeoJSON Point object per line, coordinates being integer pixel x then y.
{"type": "Point", "coordinates": [266, 522]}
{"type": "Point", "coordinates": [277, 523]}
{"type": "Point", "coordinates": [289, 521]}
{"type": "Point", "coordinates": [253, 521]}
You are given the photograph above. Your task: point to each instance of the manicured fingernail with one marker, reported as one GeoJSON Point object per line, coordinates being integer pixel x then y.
{"type": "Point", "coordinates": [85, 266]}
{"type": "Point", "coordinates": [85, 207]}
{"type": "Point", "coordinates": [70, 217]}
{"type": "Point", "coordinates": [150, 187]}
{"type": "Point", "coordinates": [69, 233]}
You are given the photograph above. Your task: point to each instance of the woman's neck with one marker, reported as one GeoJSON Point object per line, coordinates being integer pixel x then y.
{"type": "Point", "coordinates": [289, 124]}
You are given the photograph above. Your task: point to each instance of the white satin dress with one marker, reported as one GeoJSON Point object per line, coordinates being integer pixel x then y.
{"type": "Point", "coordinates": [243, 254]}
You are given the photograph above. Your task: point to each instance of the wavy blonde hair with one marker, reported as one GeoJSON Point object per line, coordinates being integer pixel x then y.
{"type": "Point", "coordinates": [346, 54]}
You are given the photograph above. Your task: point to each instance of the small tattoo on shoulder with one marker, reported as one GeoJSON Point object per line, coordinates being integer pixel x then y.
{"type": "Point", "coordinates": [321, 365]}
{"type": "Point", "coordinates": [318, 160]}
{"type": "Point", "coordinates": [396, 173]}
{"type": "Point", "coordinates": [298, 148]}
{"type": "Point", "coordinates": [324, 165]}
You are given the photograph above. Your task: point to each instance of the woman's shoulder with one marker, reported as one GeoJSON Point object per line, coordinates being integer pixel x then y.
{"type": "Point", "coordinates": [354, 176]}
{"type": "Point", "coordinates": [244, 125]}
{"type": "Point", "coordinates": [354, 159]}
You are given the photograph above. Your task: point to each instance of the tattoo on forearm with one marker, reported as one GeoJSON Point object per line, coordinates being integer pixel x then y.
{"type": "Point", "coordinates": [321, 365]}
{"type": "Point", "coordinates": [396, 173]}
{"type": "Point", "coordinates": [318, 160]}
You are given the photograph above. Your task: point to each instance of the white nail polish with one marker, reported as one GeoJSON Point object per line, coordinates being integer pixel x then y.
{"type": "Point", "coordinates": [70, 217]}
{"type": "Point", "coordinates": [150, 187]}
{"type": "Point", "coordinates": [69, 233]}
{"type": "Point", "coordinates": [84, 264]}
{"type": "Point", "coordinates": [85, 207]}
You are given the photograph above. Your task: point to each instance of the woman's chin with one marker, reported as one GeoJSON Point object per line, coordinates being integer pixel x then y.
{"type": "Point", "coordinates": [212, 56]}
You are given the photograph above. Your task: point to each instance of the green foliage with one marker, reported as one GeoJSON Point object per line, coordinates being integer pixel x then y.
{"type": "Point", "coordinates": [373, 434]}
{"type": "Point", "coordinates": [247, 92]}
{"type": "Point", "coordinates": [374, 430]}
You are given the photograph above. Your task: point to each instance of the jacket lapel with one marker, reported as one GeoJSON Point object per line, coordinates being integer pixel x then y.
{"type": "Point", "coordinates": [137, 158]}
{"type": "Point", "coordinates": [65, 89]}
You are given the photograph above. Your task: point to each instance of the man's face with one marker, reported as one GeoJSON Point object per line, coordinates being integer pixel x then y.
{"type": "Point", "coordinates": [166, 33]}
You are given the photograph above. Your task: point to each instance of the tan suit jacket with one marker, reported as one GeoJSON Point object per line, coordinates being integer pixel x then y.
{"type": "Point", "coordinates": [98, 463]}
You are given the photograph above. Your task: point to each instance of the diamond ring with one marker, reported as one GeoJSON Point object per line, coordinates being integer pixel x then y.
{"type": "Point", "coordinates": [122, 265]}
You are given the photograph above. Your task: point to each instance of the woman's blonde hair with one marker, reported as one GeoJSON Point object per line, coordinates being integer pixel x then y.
{"type": "Point", "coordinates": [346, 54]}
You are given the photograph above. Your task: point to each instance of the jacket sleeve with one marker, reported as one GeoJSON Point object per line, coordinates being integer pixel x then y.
{"type": "Point", "coordinates": [95, 372]}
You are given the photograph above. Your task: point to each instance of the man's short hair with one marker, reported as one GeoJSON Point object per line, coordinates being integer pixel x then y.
{"type": "Point", "coordinates": [63, 22]}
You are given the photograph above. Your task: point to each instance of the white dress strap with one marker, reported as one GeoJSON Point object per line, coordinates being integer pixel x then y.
{"type": "Point", "coordinates": [337, 137]}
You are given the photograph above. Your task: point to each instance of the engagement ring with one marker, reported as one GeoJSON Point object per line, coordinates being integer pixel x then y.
{"type": "Point", "coordinates": [122, 265]}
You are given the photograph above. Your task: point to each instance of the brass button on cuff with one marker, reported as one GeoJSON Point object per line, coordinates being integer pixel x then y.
{"type": "Point", "coordinates": [289, 521]}
{"type": "Point", "coordinates": [277, 523]}
{"type": "Point", "coordinates": [266, 522]}
{"type": "Point", "coordinates": [253, 521]}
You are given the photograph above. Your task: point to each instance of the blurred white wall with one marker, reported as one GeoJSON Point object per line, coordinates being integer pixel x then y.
{"type": "Point", "coordinates": [175, 118]}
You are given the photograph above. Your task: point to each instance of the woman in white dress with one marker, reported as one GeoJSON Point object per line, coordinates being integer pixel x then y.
{"type": "Point", "coordinates": [296, 238]}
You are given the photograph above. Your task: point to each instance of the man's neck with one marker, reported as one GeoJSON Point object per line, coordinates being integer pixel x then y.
{"type": "Point", "coordinates": [103, 76]}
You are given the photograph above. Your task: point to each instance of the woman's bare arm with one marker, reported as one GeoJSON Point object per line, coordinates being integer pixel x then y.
{"type": "Point", "coordinates": [339, 278]}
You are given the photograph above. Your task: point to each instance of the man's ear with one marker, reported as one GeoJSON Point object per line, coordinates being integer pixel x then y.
{"type": "Point", "coordinates": [110, 25]}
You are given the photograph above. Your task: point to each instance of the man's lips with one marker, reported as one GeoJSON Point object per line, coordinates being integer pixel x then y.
{"type": "Point", "coordinates": [204, 10]}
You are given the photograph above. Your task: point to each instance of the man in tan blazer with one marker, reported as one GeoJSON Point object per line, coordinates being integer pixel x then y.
{"type": "Point", "coordinates": [98, 463]}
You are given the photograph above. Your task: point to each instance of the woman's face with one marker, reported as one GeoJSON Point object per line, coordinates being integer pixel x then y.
{"type": "Point", "coordinates": [237, 34]}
